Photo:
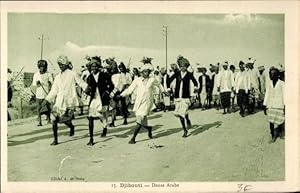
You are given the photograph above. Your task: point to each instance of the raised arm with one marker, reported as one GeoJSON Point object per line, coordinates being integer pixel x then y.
{"type": "Point", "coordinates": [130, 89]}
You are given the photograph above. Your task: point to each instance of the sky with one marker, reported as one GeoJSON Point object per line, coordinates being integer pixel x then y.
{"type": "Point", "coordinates": [202, 38]}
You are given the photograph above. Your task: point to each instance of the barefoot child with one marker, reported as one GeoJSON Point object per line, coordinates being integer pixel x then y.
{"type": "Point", "coordinates": [144, 86]}
{"type": "Point", "coordinates": [182, 92]}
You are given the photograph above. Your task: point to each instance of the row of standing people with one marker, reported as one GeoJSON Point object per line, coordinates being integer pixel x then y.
{"type": "Point", "coordinates": [222, 86]}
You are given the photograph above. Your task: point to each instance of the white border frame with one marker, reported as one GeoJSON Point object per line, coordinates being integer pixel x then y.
{"type": "Point", "coordinates": [292, 48]}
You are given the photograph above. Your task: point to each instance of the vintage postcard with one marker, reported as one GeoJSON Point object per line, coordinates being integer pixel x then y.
{"type": "Point", "coordinates": [154, 96]}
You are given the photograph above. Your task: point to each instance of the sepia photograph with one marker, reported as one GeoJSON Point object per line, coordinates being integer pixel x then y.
{"type": "Point", "coordinates": [146, 100]}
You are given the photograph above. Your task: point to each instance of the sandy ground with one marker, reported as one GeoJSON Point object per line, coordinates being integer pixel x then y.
{"type": "Point", "coordinates": [219, 148]}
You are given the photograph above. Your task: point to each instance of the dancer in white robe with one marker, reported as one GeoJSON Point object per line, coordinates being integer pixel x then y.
{"type": "Point", "coordinates": [143, 105]}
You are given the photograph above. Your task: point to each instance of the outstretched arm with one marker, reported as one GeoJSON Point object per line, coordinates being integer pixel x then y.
{"type": "Point", "coordinates": [80, 82]}
{"type": "Point", "coordinates": [130, 89]}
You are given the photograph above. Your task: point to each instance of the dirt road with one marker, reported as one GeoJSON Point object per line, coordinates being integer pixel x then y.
{"type": "Point", "coordinates": [219, 148]}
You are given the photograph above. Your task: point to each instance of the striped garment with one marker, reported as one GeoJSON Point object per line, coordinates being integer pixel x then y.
{"type": "Point", "coordinates": [276, 116]}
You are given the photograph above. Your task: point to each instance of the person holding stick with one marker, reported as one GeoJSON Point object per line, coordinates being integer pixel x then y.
{"type": "Point", "coordinates": [42, 81]}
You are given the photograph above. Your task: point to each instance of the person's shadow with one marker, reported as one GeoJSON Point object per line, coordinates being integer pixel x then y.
{"type": "Point", "coordinates": [167, 132]}
{"type": "Point", "coordinates": [46, 129]}
{"type": "Point", "coordinates": [62, 131]}
{"type": "Point", "coordinates": [201, 129]}
{"type": "Point", "coordinates": [131, 130]}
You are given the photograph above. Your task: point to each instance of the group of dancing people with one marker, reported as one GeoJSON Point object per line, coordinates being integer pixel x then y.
{"type": "Point", "coordinates": [105, 85]}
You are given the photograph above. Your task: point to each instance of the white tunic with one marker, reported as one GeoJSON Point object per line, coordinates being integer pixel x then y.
{"type": "Point", "coordinates": [96, 104]}
{"type": "Point", "coordinates": [119, 80]}
{"type": "Point", "coordinates": [216, 84]}
{"type": "Point", "coordinates": [64, 90]}
{"type": "Point", "coordinates": [44, 80]}
{"type": "Point", "coordinates": [241, 81]}
{"type": "Point", "coordinates": [144, 94]}
{"type": "Point", "coordinates": [225, 81]}
{"type": "Point", "coordinates": [274, 98]}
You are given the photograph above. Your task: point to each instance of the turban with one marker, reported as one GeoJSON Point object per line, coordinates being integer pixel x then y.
{"type": "Point", "coordinates": [95, 61]}
{"type": "Point", "coordinates": [261, 68]}
{"type": "Point", "coordinates": [241, 63]}
{"type": "Point", "coordinates": [147, 67]}
{"type": "Point", "coordinates": [183, 61]}
{"type": "Point", "coordinates": [146, 60]}
{"type": "Point", "coordinates": [63, 60]}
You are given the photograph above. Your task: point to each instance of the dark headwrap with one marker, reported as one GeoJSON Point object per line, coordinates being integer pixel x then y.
{"type": "Point", "coordinates": [146, 60]}
{"type": "Point", "coordinates": [96, 59]}
{"type": "Point", "coordinates": [182, 61]}
{"type": "Point", "coordinates": [122, 65]}
{"type": "Point", "coordinates": [241, 63]}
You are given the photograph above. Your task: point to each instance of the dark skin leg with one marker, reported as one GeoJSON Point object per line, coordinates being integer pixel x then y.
{"type": "Point", "coordinates": [183, 127]}
{"type": "Point", "coordinates": [228, 109]}
{"type": "Point", "coordinates": [54, 128]}
{"type": "Point", "coordinates": [149, 128]}
{"type": "Point", "coordinates": [91, 131]}
{"type": "Point", "coordinates": [113, 117]}
{"type": "Point", "coordinates": [104, 132]}
{"type": "Point", "coordinates": [39, 115]}
{"type": "Point", "coordinates": [281, 131]}
{"type": "Point", "coordinates": [40, 119]}
{"type": "Point", "coordinates": [136, 131]}
{"type": "Point", "coordinates": [124, 109]}
{"type": "Point", "coordinates": [224, 111]}
{"type": "Point", "coordinates": [71, 126]}
{"type": "Point", "coordinates": [273, 133]}
{"type": "Point", "coordinates": [188, 121]}
{"type": "Point", "coordinates": [48, 118]}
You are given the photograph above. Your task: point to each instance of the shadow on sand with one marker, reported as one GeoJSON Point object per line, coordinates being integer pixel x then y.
{"type": "Point", "coordinates": [37, 138]}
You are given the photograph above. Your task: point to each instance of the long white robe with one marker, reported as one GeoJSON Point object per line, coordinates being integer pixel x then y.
{"type": "Point", "coordinates": [144, 94]}
{"type": "Point", "coordinates": [64, 92]}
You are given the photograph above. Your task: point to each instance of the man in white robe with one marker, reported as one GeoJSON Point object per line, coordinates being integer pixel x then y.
{"type": "Point", "coordinates": [63, 92]}
{"type": "Point", "coordinates": [144, 86]}
{"type": "Point", "coordinates": [242, 88]}
{"type": "Point", "coordinates": [225, 87]}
